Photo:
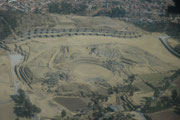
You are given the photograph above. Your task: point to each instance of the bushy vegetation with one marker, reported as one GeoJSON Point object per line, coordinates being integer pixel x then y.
{"type": "Point", "coordinates": [164, 102]}
{"type": "Point", "coordinates": [4, 30]}
{"type": "Point", "coordinates": [8, 19]}
{"type": "Point", "coordinates": [66, 8]}
{"type": "Point", "coordinates": [11, 18]}
{"type": "Point", "coordinates": [63, 113]}
{"type": "Point", "coordinates": [115, 12]}
{"type": "Point", "coordinates": [172, 29]}
{"type": "Point", "coordinates": [159, 102]}
{"type": "Point", "coordinates": [177, 48]}
{"type": "Point", "coordinates": [23, 106]}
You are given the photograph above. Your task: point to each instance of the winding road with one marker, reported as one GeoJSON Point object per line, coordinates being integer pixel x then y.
{"type": "Point", "coordinates": [164, 41]}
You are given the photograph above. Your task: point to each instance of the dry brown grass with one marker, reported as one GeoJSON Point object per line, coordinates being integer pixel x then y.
{"type": "Point", "coordinates": [165, 115]}
{"type": "Point", "coordinates": [6, 111]}
{"type": "Point", "coordinates": [87, 71]}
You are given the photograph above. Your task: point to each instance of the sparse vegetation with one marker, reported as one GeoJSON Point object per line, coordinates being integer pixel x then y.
{"type": "Point", "coordinates": [93, 80]}
{"type": "Point", "coordinates": [66, 8]}
{"type": "Point", "coordinates": [172, 29]}
{"type": "Point", "coordinates": [115, 12]}
{"type": "Point", "coordinates": [63, 113]}
{"type": "Point", "coordinates": [7, 19]}
{"type": "Point", "coordinates": [174, 94]}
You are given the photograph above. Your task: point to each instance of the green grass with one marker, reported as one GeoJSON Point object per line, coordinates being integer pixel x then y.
{"type": "Point", "coordinates": [155, 78]}
{"type": "Point", "coordinates": [143, 87]}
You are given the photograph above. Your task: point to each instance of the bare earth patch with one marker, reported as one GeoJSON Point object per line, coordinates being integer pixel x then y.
{"type": "Point", "coordinates": [73, 104]}
{"type": "Point", "coordinates": [165, 115]}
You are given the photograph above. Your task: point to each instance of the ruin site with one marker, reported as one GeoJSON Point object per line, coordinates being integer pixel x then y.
{"type": "Point", "coordinates": [95, 68]}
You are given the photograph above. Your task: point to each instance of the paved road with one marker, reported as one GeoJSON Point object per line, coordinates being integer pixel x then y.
{"type": "Point", "coordinates": [164, 41]}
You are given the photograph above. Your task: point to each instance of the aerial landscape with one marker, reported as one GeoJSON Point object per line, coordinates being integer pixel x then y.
{"type": "Point", "coordinates": [89, 60]}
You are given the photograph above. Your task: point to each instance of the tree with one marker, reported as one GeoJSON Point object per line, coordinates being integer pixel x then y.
{"type": "Point", "coordinates": [117, 12]}
{"type": "Point", "coordinates": [165, 101]}
{"type": "Point", "coordinates": [177, 109]}
{"type": "Point", "coordinates": [54, 8]}
{"type": "Point", "coordinates": [63, 113]}
{"type": "Point", "coordinates": [20, 98]}
{"type": "Point", "coordinates": [36, 109]}
{"type": "Point", "coordinates": [131, 77]}
{"type": "Point", "coordinates": [177, 48]}
{"type": "Point", "coordinates": [147, 104]}
{"type": "Point", "coordinates": [174, 94]}
{"type": "Point", "coordinates": [23, 106]}
{"type": "Point", "coordinates": [131, 93]}
{"type": "Point", "coordinates": [37, 11]}
{"type": "Point", "coordinates": [156, 93]}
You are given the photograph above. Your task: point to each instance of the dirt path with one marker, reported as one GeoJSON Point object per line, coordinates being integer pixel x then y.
{"type": "Point", "coordinates": [51, 61]}
{"type": "Point", "coordinates": [15, 59]}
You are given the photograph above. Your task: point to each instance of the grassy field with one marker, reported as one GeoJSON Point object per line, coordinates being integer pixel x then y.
{"type": "Point", "coordinates": [165, 115]}
{"type": "Point", "coordinates": [154, 78]}
{"type": "Point", "coordinates": [143, 87]}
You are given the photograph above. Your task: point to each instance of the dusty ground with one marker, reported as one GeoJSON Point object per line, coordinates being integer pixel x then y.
{"type": "Point", "coordinates": [165, 115]}
{"type": "Point", "coordinates": [5, 77]}
{"type": "Point", "coordinates": [72, 57]}
{"type": "Point", "coordinates": [6, 88]}
{"type": "Point", "coordinates": [83, 65]}
{"type": "Point", "coordinates": [6, 111]}
{"type": "Point", "coordinates": [72, 104]}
